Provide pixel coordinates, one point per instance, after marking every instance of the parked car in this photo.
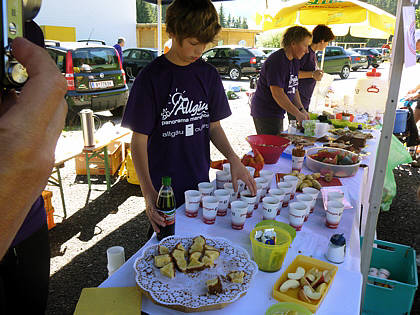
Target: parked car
(135, 59)
(268, 50)
(357, 60)
(336, 61)
(374, 56)
(385, 52)
(95, 77)
(235, 61)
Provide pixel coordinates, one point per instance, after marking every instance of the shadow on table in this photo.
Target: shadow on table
(89, 268)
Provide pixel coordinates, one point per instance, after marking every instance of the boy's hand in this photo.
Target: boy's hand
(239, 171)
(155, 218)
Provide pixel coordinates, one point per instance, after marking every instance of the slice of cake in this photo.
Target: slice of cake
(236, 276)
(209, 247)
(212, 254)
(207, 261)
(162, 260)
(179, 259)
(180, 247)
(168, 270)
(198, 244)
(214, 286)
(195, 256)
(163, 250)
(195, 265)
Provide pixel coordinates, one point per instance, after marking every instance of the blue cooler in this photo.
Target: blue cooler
(400, 124)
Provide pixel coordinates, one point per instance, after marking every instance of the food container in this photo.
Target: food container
(285, 226)
(270, 147)
(270, 257)
(284, 307)
(292, 294)
(337, 170)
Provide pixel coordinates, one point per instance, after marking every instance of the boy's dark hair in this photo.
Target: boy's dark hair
(192, 18)
(322, 32)
(295, 34)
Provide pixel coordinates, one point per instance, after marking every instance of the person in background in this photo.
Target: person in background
(119, 45)
(309, 72)
(416, 90)
(174, 110)
(277, 88)
(31, 123)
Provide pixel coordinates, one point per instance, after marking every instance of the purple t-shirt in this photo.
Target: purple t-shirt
(174, 106)
(277, 70)
(306, 86)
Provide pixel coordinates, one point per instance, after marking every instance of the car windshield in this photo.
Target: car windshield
(351, 52)
(374, 51)
(96, 59)
(257, 52)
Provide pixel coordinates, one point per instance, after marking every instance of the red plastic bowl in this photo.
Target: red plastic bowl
(270, 147)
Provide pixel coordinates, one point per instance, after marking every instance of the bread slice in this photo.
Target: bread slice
(198, 244)
(163, 250)
(162, 260)
(236, 276)
(168, 270)
(214, 286)
(179, 259)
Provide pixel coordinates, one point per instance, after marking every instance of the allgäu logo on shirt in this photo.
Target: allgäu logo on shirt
(293, 84)
(178, 103)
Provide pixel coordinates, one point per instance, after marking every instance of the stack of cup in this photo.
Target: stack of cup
(232, 192)
(287, 187)
(297, 213)
(267, 175)
(210, 205)
(307, 200)
(336, 195)
(206, 189)
(226, 168)
(192, 203)
(279, 194)
(264, 184)
(222, 178)
(270, 206)
(247, 197)
(334, 212)
(239, 211)
(314, 193)
(116, 258)
(223, 196)
(294, 181)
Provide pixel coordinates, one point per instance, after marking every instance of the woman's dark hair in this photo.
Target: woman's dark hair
(295, 34)
(322, 32)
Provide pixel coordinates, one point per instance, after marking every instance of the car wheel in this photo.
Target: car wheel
(355, 68)
(345, 72)
(375, 66)
(118, 112)
(235, 73)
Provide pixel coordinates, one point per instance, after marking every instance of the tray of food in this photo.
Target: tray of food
(194, 274)
(334, 161)
(306, 282)
(314, 180)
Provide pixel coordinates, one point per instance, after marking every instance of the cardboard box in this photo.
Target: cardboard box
(97, 164)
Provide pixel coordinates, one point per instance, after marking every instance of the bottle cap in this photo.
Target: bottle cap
(338, 240)
(166, 181)
(373, 73)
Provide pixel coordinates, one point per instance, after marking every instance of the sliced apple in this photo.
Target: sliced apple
(300, 272)
(321, 288)
(327, 276)
(318, 280)
(313, 295)
(302, 296)
(304, 281)
(289, 284)
(310, 277)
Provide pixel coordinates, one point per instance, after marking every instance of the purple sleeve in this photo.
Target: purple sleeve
(303, 61)
(140, 112)
(275, 75)
(218, 103)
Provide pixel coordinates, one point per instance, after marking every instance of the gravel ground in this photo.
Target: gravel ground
(101, 219)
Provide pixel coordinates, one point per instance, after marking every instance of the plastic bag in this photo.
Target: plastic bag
(398, 155)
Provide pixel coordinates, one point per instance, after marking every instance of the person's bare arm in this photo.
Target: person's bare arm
(283, 101)
(298, 103)
(237, 169)
(140, 160)
(30, 125)
(316, 75)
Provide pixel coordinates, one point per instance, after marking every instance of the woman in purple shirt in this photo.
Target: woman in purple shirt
(277, 88)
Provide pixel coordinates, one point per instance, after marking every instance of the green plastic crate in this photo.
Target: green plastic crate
(400, 260)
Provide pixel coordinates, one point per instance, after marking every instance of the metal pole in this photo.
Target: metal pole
(384, 144)
(159, 18)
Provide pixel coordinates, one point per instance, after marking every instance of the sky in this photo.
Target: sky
(244, 8)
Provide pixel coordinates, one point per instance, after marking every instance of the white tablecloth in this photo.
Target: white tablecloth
(345, 294)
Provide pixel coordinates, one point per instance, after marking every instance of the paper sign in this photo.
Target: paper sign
(409, 19)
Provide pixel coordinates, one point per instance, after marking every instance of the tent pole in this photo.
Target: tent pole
(159, 21)
(397, 62)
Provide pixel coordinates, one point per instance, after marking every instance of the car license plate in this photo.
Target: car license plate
(101, 84)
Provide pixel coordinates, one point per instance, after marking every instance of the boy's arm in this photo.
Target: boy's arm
(283, 101)
(237, 169)
(140, 160)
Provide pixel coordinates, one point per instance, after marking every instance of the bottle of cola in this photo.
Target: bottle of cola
(166, 207)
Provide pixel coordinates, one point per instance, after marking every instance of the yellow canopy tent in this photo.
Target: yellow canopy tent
(362, 19)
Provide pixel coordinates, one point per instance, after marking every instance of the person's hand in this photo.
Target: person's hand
(317, 74)
(413, 97)
(303, 115)
(239, 171)
(155, 218)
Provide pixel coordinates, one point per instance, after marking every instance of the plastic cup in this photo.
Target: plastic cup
(270, 206)
(294, 181)
(297, 213)
(206, 189)
(297, 163)
(264, 184)
(335, 195)
(232, 192)
(321, 129)
(241, 186)
(247, 197)
(223, 196)
(307, 200)
(192, 203)
(116, 258)
(314, 193)
(251, 170)
(334, 212)
(287, 187)
(210, 204)
(279, 194)
(258, 196)
(239, 211)
(222, 178)
(268, 175)
(226, 168)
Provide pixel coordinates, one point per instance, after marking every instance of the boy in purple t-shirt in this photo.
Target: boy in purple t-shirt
(277, 87)
(174, 110)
